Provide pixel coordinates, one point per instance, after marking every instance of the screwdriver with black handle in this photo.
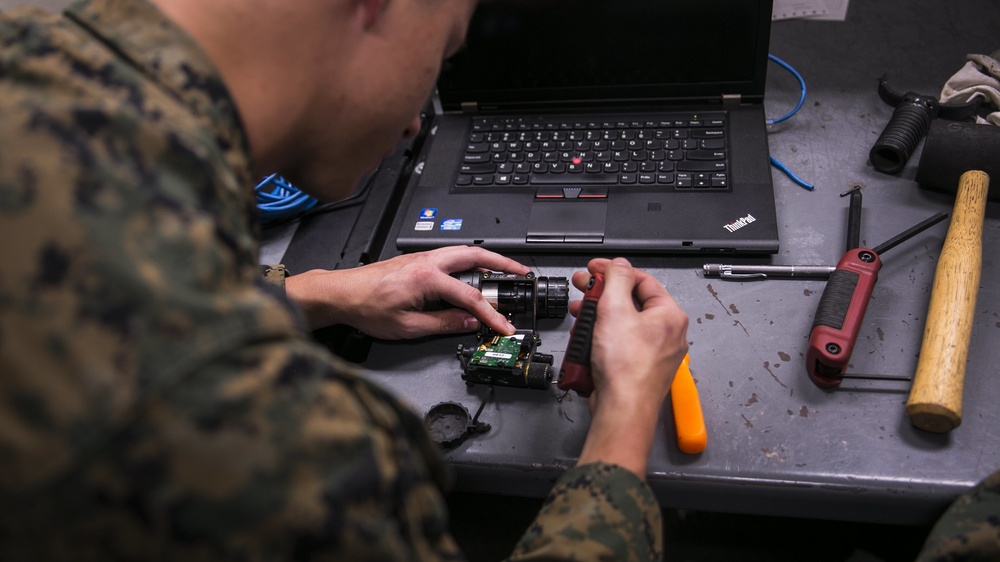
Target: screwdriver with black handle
(575, 371)
(575, 374)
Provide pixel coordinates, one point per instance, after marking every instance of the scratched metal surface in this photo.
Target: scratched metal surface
(777, 443)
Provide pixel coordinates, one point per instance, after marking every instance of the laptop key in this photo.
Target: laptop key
(705, 155)
(568, 179)
(708, 134)
(487, 168)
(476, 158)
(701, 166)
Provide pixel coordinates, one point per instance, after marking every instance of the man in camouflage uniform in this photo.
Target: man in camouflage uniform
(155, 400)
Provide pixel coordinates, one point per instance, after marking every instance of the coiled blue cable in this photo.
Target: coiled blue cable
(802, 98)
(802, 86)
(278, 200)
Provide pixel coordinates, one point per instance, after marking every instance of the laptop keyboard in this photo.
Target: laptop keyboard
(683, 151)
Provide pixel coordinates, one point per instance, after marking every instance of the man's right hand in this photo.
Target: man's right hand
(640, 338)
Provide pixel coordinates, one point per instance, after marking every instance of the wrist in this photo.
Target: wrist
(310, 292)
(621, 434)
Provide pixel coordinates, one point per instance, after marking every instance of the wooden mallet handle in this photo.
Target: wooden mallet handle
(935, 402)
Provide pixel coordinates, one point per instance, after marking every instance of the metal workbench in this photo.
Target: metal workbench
(778, 444)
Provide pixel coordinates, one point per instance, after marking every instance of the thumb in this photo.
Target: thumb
(619, 281)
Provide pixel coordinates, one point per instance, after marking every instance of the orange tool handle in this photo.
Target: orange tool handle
(688, 419)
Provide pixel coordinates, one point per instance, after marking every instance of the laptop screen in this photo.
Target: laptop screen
(526, 53)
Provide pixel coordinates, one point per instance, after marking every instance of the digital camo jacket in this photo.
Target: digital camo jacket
(155, 401)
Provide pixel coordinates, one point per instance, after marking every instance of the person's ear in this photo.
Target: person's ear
(370, 11)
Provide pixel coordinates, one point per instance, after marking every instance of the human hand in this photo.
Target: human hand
(387, 299)
(639, 340)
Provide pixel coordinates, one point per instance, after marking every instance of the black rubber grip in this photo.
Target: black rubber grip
(578, 350)
(906, 128)
(836, 299)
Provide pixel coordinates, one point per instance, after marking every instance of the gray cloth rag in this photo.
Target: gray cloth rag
(979, 78)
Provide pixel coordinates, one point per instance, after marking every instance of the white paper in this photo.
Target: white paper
(826, 10)
(836, 10)
(789, 9)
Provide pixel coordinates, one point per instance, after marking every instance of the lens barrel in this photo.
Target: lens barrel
(509, 293)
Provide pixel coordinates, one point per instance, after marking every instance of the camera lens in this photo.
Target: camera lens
(552, 297)
(509, 293)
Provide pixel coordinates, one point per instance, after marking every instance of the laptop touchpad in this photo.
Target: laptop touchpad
(567, 220)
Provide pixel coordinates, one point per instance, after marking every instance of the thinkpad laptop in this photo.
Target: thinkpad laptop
(631, 126)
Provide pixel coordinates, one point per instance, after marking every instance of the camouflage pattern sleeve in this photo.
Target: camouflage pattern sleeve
(274, 276)
(155, 401)
(595, 512)
(970, 528)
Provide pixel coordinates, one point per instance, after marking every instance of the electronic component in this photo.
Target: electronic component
(512, 360)
(506, 361)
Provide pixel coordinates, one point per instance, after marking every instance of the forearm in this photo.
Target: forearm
(621, 434)
(311, 291)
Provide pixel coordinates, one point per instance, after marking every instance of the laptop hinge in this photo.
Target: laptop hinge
(731, 100)
(470, 107)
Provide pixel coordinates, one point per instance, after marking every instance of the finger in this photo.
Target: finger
(598, 265)
(649, 293)
(459, 294)
(619, 281)
(463, 258)
(581, 279)
(451, 321)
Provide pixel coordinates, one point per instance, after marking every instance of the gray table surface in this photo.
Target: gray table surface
(778, 444)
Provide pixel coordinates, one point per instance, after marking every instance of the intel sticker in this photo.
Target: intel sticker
(451, 224)
(428, 213)
(424, 225)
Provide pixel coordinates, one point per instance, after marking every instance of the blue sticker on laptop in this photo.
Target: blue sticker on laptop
(451, 224)
(428, 213)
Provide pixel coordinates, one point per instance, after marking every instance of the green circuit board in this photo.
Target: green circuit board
(501, 351)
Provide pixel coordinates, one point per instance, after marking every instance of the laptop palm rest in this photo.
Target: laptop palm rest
(567, 220)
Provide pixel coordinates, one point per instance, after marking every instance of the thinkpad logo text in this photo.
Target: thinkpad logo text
(739, 223)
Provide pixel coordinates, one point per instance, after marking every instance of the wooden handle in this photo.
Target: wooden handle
(935, 402)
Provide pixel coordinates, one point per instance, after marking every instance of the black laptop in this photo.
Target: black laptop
(629, 126)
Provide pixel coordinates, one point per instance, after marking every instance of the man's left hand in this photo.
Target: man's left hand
(387, 299)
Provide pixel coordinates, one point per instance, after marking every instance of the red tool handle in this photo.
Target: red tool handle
(575, 371)
(839, 316)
